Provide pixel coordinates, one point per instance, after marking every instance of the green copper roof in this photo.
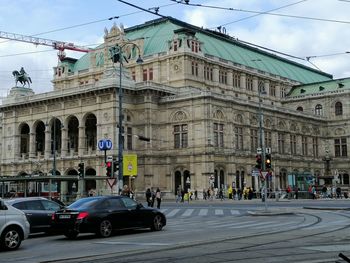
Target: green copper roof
(158, 33)
(320, 87)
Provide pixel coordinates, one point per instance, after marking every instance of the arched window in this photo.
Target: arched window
(338, 108)
(318, 110)
(300, 108)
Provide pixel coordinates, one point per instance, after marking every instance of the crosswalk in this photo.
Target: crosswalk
(203, 212)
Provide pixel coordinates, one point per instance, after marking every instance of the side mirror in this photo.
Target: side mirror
(139, 205)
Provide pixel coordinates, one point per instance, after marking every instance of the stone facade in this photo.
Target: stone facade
(201, 113)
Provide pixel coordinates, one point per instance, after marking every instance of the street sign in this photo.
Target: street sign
(258, 150)
(109, 158)
(129, 164)
(268, 150)
(104, 144)
(111, 182)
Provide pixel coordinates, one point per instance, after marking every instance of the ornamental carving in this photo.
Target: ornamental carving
(180, 116)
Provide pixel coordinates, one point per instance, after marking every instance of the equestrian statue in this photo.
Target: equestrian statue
(22, 77)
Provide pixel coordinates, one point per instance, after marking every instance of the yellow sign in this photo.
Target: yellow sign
(129, 164)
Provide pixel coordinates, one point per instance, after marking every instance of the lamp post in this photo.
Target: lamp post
(261, 144)
(116, 54)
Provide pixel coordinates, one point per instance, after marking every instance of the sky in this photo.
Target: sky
(315, 33)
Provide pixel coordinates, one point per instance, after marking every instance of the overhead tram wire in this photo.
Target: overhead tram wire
(94, 22)
(262, 13)
(265, 12)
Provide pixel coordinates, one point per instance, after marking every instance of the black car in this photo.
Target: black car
(103, 214)
(38, 210)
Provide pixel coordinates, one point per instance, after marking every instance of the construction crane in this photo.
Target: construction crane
(59, 45)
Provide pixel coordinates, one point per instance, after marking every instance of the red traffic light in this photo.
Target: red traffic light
(109, 169)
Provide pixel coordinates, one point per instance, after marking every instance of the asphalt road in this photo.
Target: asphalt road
(212, 231)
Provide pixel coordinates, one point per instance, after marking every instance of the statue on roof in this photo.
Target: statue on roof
(22, 77)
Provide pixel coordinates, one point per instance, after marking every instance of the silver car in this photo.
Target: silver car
(14, 227)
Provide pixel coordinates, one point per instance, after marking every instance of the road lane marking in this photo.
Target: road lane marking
(219, 212)
(188, 212)
(203, 212)
(173, 212)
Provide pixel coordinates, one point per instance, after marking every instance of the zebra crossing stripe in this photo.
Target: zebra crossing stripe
(173, 212)
(203, 212)
(219, 212)
(188, 212)
(235, 212)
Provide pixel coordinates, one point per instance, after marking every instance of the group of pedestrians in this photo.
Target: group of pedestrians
(152, 196)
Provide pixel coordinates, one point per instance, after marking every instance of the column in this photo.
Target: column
(47, 142)
(64, 146)
(31, 145)
(81, 136)
(243, 81)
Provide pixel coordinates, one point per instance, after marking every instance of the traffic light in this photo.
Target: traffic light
(81, 170)
(258, 161)
(268, 161)
(115, 166)
(109, 169)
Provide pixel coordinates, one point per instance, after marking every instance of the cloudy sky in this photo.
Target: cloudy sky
(314, 29)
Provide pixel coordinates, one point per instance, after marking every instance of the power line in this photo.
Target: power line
(263, 13)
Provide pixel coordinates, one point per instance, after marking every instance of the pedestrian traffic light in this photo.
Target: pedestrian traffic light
(81, 170)
(258, 161)
(109, 169)
(268, 161)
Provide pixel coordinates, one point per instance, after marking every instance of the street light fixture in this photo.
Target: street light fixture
(117, 56)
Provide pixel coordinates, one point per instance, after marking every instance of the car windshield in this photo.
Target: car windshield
(83, 203)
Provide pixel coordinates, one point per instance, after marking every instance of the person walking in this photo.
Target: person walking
(158, 197)
(148, 197)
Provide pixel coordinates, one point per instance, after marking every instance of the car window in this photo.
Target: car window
(20, 205)
(129, 203)
(34, 205)
(84, 203)
(51, 206)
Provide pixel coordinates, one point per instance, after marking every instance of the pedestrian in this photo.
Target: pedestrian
(178, 195)
(296, 192)
(148, 197)
(158, 197)
(153, 197)
(338, 191)
(195, 194)
(221, 194)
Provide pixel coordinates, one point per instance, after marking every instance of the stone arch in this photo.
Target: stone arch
(72, 124)
(90, 122)
(24, 137)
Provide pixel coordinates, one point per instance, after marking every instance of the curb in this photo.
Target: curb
(326, 208)
(269, 213)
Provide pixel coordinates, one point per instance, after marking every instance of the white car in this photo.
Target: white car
(14, 227)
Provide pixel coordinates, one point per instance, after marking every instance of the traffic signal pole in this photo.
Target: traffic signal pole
(262, 146)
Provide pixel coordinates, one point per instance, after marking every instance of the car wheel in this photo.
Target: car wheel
(105, 228)
(157, 223)
(71, 234)
(11, 239)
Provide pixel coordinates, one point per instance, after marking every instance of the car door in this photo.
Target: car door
(49, 208)
(35, 213)
(133, 212)
(114, 210)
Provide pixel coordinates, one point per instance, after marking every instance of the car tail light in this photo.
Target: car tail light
(82, 215)
(53, 216)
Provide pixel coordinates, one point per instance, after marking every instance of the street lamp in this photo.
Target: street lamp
(116, 54)
(261, 91)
